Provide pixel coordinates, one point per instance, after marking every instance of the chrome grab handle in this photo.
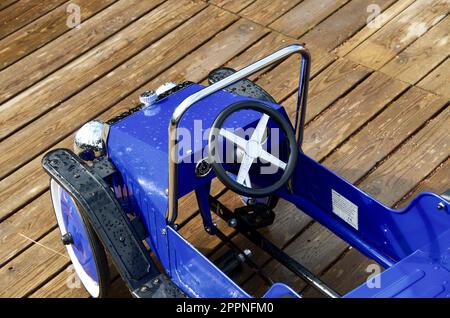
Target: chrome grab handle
(222, 84)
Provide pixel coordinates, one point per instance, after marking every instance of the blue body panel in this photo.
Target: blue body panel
(196, 275)
(398, 239)
(383, 234)
(425, 273)
(137, 145)
(279, 290)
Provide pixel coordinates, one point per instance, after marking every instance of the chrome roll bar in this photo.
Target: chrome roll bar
(222, 84)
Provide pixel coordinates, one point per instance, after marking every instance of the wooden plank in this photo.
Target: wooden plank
(422, 56)
(6, 3)
(186, 62)
(25, 184)
(382, 135)
(316, 249)
(37, 218)
(351, 270)
(266, 11)
(275, 233)
(30, 180)
(396, 177)
(33, 267)
(65, 48)
(258, 256)
(75, 76)
(284, 228)
(385, 16)
(199, 69)
(215, 53)
(342, 24)
(282, 81)
(62, 285)
(292, 222)
(437, 182)
(195, 233)
(43, 30)
(58, 287)
(288, 223)
(306, 15)
(346, 274)
(301, 249)
(437, 81)
(24, 12)
(284, 77)
(399, 33)
(360, 105)
(232, 5)
(68, 46)
(111, 88)
(434, 134)
(260, 49)
(328, 86)
(33, 221)
(65, 285)
(292, 234)
(311, 233)
(213, 56)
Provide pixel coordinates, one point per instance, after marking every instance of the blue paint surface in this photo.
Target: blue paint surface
(410, 242)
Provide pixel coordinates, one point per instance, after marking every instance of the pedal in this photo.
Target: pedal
(256, 215)
(244, 87)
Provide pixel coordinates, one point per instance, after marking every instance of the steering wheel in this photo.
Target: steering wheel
(252, 149)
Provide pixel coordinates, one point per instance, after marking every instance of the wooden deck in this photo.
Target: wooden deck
(378, 110)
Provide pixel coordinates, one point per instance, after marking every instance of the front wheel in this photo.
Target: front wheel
(83, 246)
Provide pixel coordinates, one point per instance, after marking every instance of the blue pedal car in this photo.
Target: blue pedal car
(117, 194)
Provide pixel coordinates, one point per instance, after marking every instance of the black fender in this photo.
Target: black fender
(87, 185)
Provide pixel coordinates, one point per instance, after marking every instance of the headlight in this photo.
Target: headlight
(90, 140)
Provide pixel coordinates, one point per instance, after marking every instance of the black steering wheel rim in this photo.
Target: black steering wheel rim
(218, 167)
